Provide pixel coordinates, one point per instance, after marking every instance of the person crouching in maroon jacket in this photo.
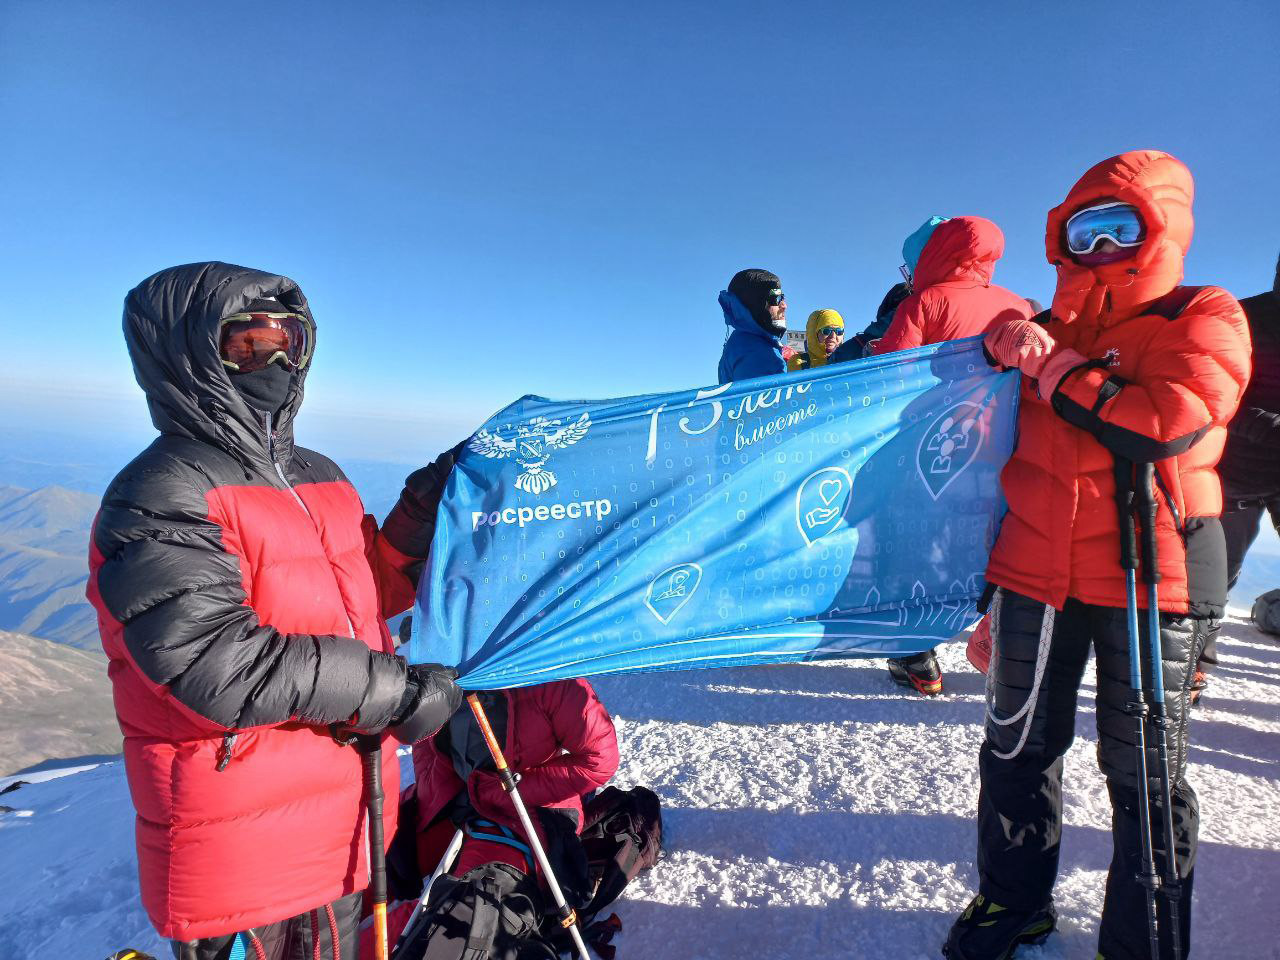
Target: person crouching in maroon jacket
(241, 592)
(556, 736)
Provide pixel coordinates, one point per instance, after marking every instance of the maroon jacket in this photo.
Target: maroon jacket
(561, 742)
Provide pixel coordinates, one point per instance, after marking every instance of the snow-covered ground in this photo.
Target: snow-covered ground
(810, 811)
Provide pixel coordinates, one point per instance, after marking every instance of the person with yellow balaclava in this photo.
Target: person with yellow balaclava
(823, 333)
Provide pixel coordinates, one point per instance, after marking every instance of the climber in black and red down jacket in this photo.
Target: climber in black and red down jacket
(241, 591)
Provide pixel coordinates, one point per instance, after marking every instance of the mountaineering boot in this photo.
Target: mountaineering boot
(988, 931)
(920, 671)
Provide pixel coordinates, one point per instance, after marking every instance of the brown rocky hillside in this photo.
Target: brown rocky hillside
(55, 701)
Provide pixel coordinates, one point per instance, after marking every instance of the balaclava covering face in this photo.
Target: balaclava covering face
(751, 287)
(264, 390)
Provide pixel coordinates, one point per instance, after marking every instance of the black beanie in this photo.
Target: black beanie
(266, 306)
(752, 287)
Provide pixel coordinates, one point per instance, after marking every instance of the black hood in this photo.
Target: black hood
(171, 328)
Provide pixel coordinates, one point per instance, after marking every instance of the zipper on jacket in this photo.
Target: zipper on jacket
(225, 751)
(271, 450)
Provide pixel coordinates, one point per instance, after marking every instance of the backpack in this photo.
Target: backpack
(622, 837)
(1266, 612)
(493, 912)
(496, 912)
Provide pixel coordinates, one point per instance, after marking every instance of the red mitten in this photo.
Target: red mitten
(1019, 343)
(1029, 347)
(1062, 362)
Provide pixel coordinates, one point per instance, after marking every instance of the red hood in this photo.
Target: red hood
(1160, 186)
(963, 248)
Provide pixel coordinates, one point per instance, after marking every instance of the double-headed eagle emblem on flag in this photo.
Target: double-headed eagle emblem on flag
(532, 446)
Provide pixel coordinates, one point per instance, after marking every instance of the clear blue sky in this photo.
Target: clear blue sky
(488, 199)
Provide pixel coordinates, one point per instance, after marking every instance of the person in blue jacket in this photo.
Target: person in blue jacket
(755, 310)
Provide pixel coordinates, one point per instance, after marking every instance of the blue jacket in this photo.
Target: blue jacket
(750, 351)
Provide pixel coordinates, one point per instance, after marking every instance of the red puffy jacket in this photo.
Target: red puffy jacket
(952, 293)
(240, 592)
(1179, 361)
(559, 739)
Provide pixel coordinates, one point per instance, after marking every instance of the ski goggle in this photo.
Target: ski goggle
(1118, 222)
(830, 331)
(253, 341)
(774, 298)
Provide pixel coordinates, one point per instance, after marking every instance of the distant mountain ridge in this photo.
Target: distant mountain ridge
(44, 551)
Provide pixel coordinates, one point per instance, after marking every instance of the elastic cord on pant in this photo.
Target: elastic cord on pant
(1042, 660)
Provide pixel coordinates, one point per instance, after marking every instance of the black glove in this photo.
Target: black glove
(411, 523)
(430, 699)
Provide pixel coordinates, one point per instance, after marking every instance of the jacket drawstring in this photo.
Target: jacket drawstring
(333, 928)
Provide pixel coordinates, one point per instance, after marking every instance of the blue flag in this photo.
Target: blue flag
(843, 511)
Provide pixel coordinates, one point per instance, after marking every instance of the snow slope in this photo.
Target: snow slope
(811, 811)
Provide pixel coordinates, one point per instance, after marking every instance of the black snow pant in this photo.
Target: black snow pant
(1241, 521)
(1037, 662)
(308, 935)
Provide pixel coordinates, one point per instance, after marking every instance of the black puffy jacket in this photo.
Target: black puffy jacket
(1250, 463)
(241, 592)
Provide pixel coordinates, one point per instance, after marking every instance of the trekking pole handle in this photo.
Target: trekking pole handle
(491, 741)
(370, 748)
(1145, 500)
(1124, 512)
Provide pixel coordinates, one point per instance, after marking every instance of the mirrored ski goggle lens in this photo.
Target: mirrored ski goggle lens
(252, 341)
(831, 331)
(1117, 222)
(774, 298)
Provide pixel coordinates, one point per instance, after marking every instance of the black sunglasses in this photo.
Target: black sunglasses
(774, 298)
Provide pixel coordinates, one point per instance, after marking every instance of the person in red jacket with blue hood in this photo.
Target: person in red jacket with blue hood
(755, 311)
(1129, 366)
(951, 261)
(241, 593)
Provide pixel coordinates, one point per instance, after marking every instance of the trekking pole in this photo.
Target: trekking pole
(420, 911)
(370, 748)
(568, 916)
(1137, 706)
(1172, 885)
